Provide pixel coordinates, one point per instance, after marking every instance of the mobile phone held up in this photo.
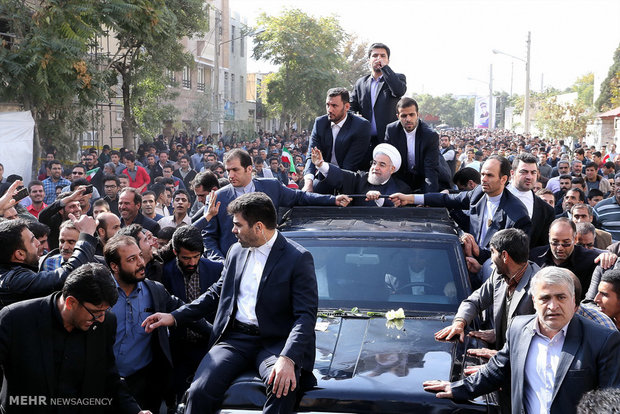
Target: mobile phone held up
(20, 195)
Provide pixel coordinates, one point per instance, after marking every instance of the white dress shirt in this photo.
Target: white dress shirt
(541, 365)
(335, 131)
(491, 206)
(250, 281)
(250, 188)
(526, 197)
(411, 148)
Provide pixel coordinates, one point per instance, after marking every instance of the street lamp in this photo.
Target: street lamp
(527, 79)
(491, 106)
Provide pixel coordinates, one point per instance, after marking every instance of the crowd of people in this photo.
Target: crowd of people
(155, 272)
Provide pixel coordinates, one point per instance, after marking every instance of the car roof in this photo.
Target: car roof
(354, 220)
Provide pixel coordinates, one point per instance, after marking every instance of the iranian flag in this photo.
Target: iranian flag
(91, 173)
(287, 157)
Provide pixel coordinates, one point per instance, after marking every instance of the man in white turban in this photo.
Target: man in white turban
(368, 188)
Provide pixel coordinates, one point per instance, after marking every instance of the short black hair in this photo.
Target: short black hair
(129, 157)
(157, 189)
(111, 178)
(513, 241)
(465, 174)
(92, 283)
(339, 91)
(11, 238)
(110, 251)
(133, 230)
(526, 158)
(206, 179)
(189, 238)
(166, 233)
(101, 202)
(612, 277)
(591, 165)
(255, 207)
(504, 164)
(80, 181)
(181, 191)
(565, 177)
(406, 102)
(379, 46)
(35, 182)
(595, 192)
(38, 229)
(582, 195)
(242, 155)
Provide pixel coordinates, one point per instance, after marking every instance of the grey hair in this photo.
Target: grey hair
(553, 276)
(585, 228)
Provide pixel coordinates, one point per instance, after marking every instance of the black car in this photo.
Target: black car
(370, 261)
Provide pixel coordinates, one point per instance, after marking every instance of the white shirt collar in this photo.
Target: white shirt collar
(265, 249)
(539, 332)
(412, 133)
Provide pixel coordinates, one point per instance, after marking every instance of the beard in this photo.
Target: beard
(130, 278)
(376, 179)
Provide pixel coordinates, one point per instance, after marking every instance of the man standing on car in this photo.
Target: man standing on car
(266, 301)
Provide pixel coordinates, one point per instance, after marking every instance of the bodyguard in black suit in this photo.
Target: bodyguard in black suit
(266, 302)
(388, 87)
(60, 346)
(348, 148)
(419, 150)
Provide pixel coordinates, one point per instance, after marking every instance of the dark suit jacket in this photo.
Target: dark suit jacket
(589, 360)
(286, 303)
(542, 217)
(510, 213)
(391, 89)
(492, 295)
(425, 174)
(187, 181)
(145, 222)
(349, 182)
(217, 234)
(351, 143)
(208, 272)
(28, 360)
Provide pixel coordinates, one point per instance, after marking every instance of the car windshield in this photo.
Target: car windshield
(417, 276)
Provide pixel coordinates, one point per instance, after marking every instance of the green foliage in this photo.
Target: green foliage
(609, 97)
(308, 52)
(560, 121)
(202, 110)
(356, 63)
(148, 107)
(584, 86)
(457, 113)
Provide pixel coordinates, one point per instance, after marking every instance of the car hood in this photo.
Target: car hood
(364, 365)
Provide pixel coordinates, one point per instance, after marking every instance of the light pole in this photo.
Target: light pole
(526, 108)
(216, 61)
(490, 84)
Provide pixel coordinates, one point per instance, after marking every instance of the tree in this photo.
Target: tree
(584, 86)
(149, 108)
(609, 97)
(307, 49)
(149, 34)
(356, 63)
(457, 113)
(562, 120)
(45, 66)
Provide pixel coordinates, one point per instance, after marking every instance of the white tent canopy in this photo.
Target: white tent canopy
(16, 136)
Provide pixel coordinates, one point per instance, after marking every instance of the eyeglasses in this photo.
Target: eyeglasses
(96, 315)
(563, 244)
(77, 173)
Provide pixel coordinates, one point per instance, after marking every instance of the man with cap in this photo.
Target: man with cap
(378, 181)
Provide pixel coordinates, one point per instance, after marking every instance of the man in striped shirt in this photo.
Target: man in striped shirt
(607, 212)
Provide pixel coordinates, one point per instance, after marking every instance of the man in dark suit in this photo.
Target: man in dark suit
(491, 206)
(71, 355)
(342, 137)
(552, 358)
(217, 232)
(374, 183)
(266, 301)
(523, 178)
(375, 95)
(418, 145)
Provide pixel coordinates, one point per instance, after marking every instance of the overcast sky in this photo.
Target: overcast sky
(439, 44)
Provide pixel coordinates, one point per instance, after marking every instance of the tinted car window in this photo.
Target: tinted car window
(387, 275)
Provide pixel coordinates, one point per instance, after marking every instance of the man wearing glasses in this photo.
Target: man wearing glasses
(70, 357)
(143, 361)
(563, 252)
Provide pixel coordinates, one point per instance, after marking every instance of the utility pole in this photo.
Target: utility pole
(491, 106)
(527, 84)
(216, 73)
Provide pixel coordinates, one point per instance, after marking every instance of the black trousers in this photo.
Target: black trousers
(235, 353)
(146, 388)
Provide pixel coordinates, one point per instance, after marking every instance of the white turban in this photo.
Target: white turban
(391, 152)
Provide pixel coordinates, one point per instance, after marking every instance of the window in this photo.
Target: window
(242, 46)
(226, 85)
(201, 79)
(232, 40)
(232, 87)
(241, 90)
(187, 80)
(170, 76)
